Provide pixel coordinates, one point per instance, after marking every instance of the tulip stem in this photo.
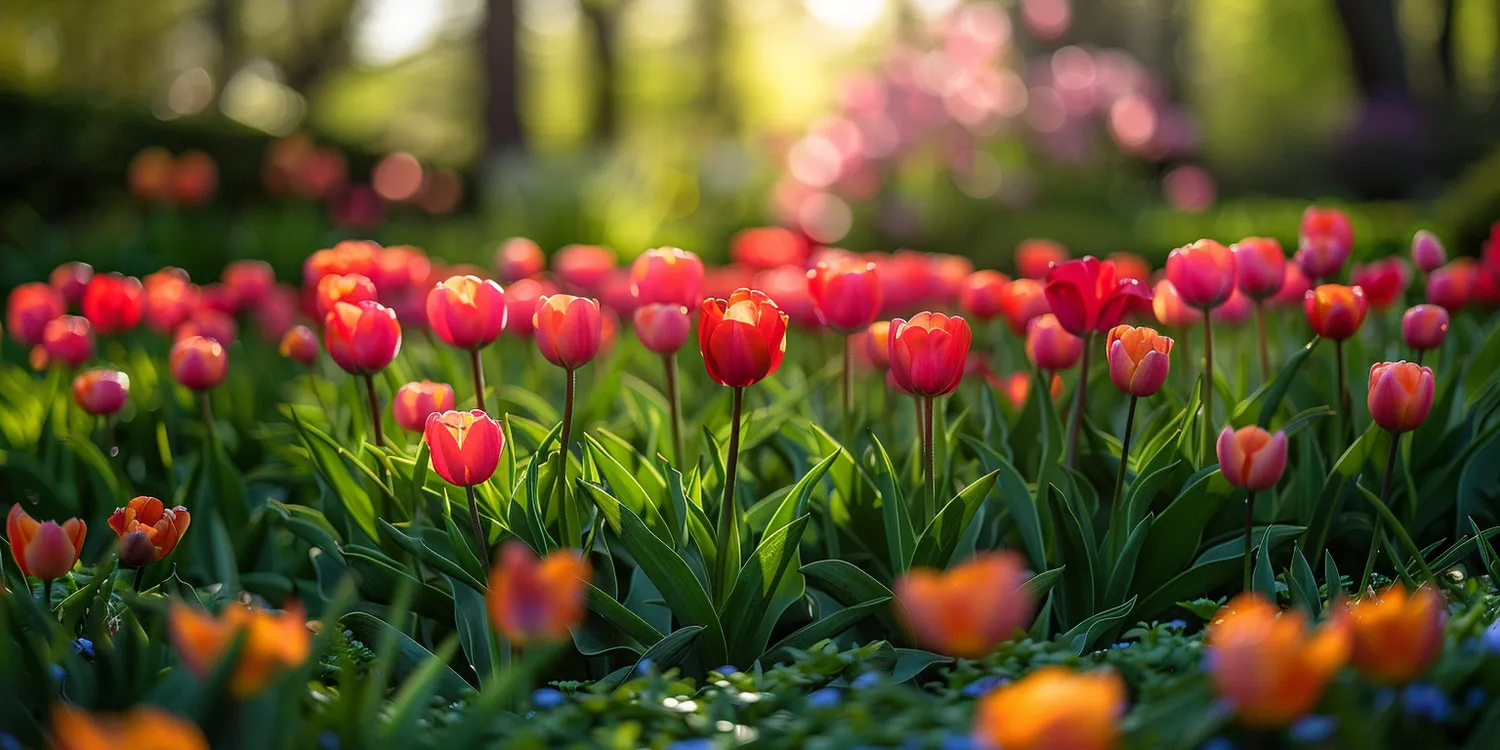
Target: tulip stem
(1420, 352)
(930, 512)
(1260, 334)
(312, 385)
(1344, 406)
(674, 406)
(1076, 418)
(1249, 524)
(572, 536)
(47, 594)
(479, 539)
(478, 379)
(1124, 453)
(1385, 493)
(728, 511)
(1208, 387)
(374, 411)
(208, 415)
(848, 388)
(140, 577)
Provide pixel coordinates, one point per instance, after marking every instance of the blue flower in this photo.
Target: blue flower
(644, 666)
(957, 741)
(727, 669)
(983, 685)
(1475, 697)
(1177, 624)
(327, 740)
(1490, 641)
(84, 646)
(8, 741)
(1313, 728)
(58, 673)
(1427, 701)
(545, 698)
(824, 698)
(1122, 644)
(867, 680)
(697, 743)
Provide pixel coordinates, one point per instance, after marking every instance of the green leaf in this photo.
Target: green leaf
(1315, 540)
(936, 545)
(1263, 578)
(463, 548)
(1175, 534)
(911, 662)
(309, 525)
(1077, 595)
(749, 602)
(900, 537)
(794, 505)
(1017, 499)
(1393, 525)
(1304, 585)
(1283, 382)
(628, 623)
(624, 487)
(1041, 583)
(409, 655)
(1124, 570)
(471, 616)
(821, 630)
(668, 653)
(402, 724)
(416, 546)
(1332, 579)
(1082, 636)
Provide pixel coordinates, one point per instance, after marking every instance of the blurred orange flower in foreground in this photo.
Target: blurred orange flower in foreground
(537, 599)
(144, 728)
(968, 609)
(1267, 664)
(272, 642)
(1053, 708)
(1397, 636)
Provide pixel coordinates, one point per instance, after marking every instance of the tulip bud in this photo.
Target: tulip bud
(170, 297)
(1034, 258)
(300, 345)
(742, 339)
(68, 339)
(878, 344)
(1400, 395)
(1203, 273)
(70, 279)
(533, 600)
(1396, 637)
(1384, 281)
(466, 312)
(845, 294)
(1138, 361)
(1053, 708)
(1252, 458)
(568, 330)
(520, 305)
(113, 303)
(1087, 296)
(1267, 665)
(199, 363)
(465, 446)
(1050, 347)
(1324, 242)
(1169, 309)
(1260, 266)
(928, 353)
(983, 294)
(944, 614)
(216, 297)
(148, 530)
(101, 391)
(1427, 252)
(787, 287)
(248, 282)
(1130, 266)
(415, 402)
(668, 276)
(45, 549)
(519, 258)
(663, 328)
(362, 338)
(29, 308)
(351, 288)
(1424, 327)
(583, 267)
(1452, 286)
(136, 550)
(1335, 311)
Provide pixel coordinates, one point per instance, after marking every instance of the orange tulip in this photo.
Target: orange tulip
(465, 446)
(68, 339)
(1335, 311)
(148, 530)
(845, 294)
(663, 328)
(466, 311)
(29, 308)
(44, 549)
(1397, 637)
(947, 614)
(1267, 665)
(743, 338)
(300, 345)
(1138, 359)
(199, 363)
(352, 288)
(983, 294)
(142, 728)
(195, 177)
(1022, 301)
(1017, 387)
(1131, 266)
(1400, 395)
(271, 642)
(1170, 309)
(519, 258)
(1053, 708)
(210, 324)
(113, 303)
(362, 338)
(568, 329)
(1252, 458)
(149, 175)
(414, 402)
(537, 600)
(101, 391)
(878, 343)
(1050, 347)
(667, 276)
(928, 352)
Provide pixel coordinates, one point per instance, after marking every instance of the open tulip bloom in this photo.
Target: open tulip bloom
(1400, 398)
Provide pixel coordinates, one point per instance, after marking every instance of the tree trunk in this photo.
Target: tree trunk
(502, 111)
(601, 18)
(1375, 46)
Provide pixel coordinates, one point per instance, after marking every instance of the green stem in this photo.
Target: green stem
(848, 389)
(140, 577)
(674, 407)
(374, 411)
(1076, 417)
(930, 511)
(1249, 523)
(480, 542)
(728, 510)
(1260, 334)
(572, 536)
(478, 379)
(47, 595)
(1124, 454)
(1208, 387)
(312, 385)
(1344, 405)
(1385, 493)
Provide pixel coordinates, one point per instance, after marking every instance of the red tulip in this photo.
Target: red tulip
(1169, 308)
(1235, 310)
(362, 338)
(1400, 395)
(1035, 258)
(928, 353)
(1427, 251)
(1324, 242)
(1424, 327)
(1335, 311)
(743, 338)
(414, 402)
(520, 305)
(1252, 458)
(198, 363)
(101, 391)
(170, 299)
(901, 284)
(466, 312)
(1384, 281)
(668, 276)
(465, 446)
(983, 294)
(1452, 286)
(845, 295)
(149, 175)
(1138, 359)
(617, 294)
(348, 256)
(768, 247)
(1203, 273)
(945, 276)
(210, 324)
(519, 258)
(1294, 286)
(68, 339)
(662, 328)
(787, 286)
(568, 329)
(1260, 266)
(1049, 346)
(352, 288)
(113, 303)
(70, 279)
(1021, 301)
(1087, 297)
(1131, 266)
(878, 343)
(300, 345)
(583, 266)
(29, 308)
(44, 550)
(248, 282)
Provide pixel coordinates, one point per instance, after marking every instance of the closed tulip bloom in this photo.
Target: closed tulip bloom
(667, 276)
(148, 530)
(568, 329)
(140, 728)
(1294, 286)
(1396, 637)
(928, 353)
(68, 339)
(170, 299)
(1267, 665)
(1427, 252)
(70, 279)
(1203, 273)
(1169, 309)
(1087, 296)
(1053, 708)
(1400, 395)
(362, 338)
(1324, 241)
(1335, 311)
(210, 324)
(583, 266)
(663, 328)
(742, 339)
(1384, 281)
(416, 401)
(1260, 266)
(101, 391)
(1131, 266)
(352, 288)
(465, 446)
(270, 642)
(983, 294)
(878, 343)
(1235, 310)
(536, 600)
(1424, 327)
(519, 258)
(215, 296)
(1022, 301)
(29, 308)
(466, 311)
(1452, 286)
(768, 247)
(45, 549)
(521, 299)
(113, 303)
(1138, 359)
(945, 614)
(1252, 458)
(248, 282)
(1034, 258)
(1050, 347)
(300, 345)
(845, 294)
(198, 363)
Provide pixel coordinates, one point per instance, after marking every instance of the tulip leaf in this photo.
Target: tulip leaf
(642, 634)
(402, 718)
(749, 602)
(1283, 382)
(794, 505)
(1304, 585)
(939, 540)
(850, 585)
(1263, 577)
(1124, 566)
(417, 547)
(1191, 583)
(1041, 583)
(463, 548)
(624, 487)
(1017, 499)
(911, 662)
(1332, 580)
(1075, 542)
(409, 655)
(1082, 636)
(1349, 465)
(668, 653)
(475, 633)
(1393, 525)
(309, 525)
(822, 629)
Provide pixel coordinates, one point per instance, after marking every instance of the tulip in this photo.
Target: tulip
(465, 447)
(300, 345)
(1336, 312)
(942, 611)
(568, 329)
(362, 339)
(1266, 665)
(1424, 327)
(348, 256)
(1396, 637)
(70, 279)
(68, 339)
(44, 549)
(149, 175)
(1324, 242)
(983, 294)
(1294, 286)
(1017, 387)
(927, 356)
(29, 308)
(1260, 266)
(198, 363)
(845, 295)
(170, 298)
(1203, 273)
(1022, 301)
(1254, 459)
(878, 344)
(113, 303)
(664, 328)
(668, 276)
(1053, 708)
(1169, 309)
(468, 312)
(521, 299)
(537, 600)
(137, 729)
(148, 532)
(399, 268)
(1234, 311)
(1383, 281)
(269, 642)
(248, 282)
(519, 258)
(1049, 347)
(1138, 365)
(352, 288)
(277, 313)
(1452, 286)
(1400, 395)
(1427, 252)
(414, 402)
(945, 277)
(583, 266)
(1130, 266)
(194, 178)
(101, 392)
(1035, 258)
(210, 324)
(768, 247)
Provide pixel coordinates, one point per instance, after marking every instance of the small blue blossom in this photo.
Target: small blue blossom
(545, 698)
(1177, 624)
(727, 669)
(644, 666)
(957, 741)
(697, 743)
(823, 698)
(84, 646)
(58, 673)
(1427, 701)
(1475, 698)
(1490, 641)
(867, 680)
(8, 741)
(1313, 728)
(1122, 644)
(983, 685)
(327, 740)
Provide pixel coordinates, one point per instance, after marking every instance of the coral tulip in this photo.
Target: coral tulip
(414, 402)
(521, 300)
(269, 642)
(1452, 286)
(1252, 458)
(668, 276)
(743, 338)
(845, 294)
(1087, 296)
(1022, 301)
(983, 294)
(170, 299)
(466, 312)
(465, 446)
(68, 339)
(300, 345)
(1130, 266)
(519, 258)
(1424, 327)
(1035, 258)
(944, 614)
(1017, 388)
(1053, 708)
(1427, 252)
(362, 338)
(768, 247)
(1203, 273)
(663, 328)
(198, 363)
(195, 177)
(1138, 359)
(248, 282)
(583, 266)
(877, 344)
(148, 530)
(113, 303)
(568, 329)
(533, 600)
(137, 729)
(101, 391)
(1324, 242)
(1266, 664)
(149, 175)
(352, 288)
(1050, 347)
(1396, 637)
(29, 308)
(70, 279)
(928, 352)
(1384, 281)
(1260, 266)
(1169, 309)
(44, 549)
(1400, 395)
(1335, 311)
